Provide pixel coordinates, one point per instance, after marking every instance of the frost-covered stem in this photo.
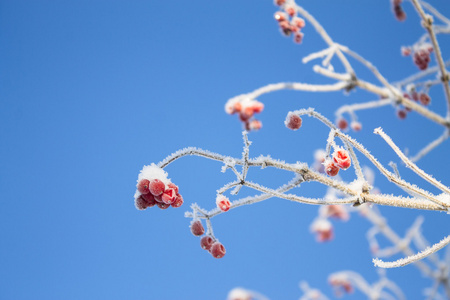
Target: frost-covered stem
(361, 106)
(387, 231)
(228, 186)
(427, 22)
(431, 146)
(413, 166)
(325, 72)
(325, 37)
(419, 75)
(413, 258)
(245, 154)
(435, 12)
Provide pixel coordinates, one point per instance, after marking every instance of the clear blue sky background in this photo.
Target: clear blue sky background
(90, 91)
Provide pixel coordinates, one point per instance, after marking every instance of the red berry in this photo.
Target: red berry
(399, 13)
(142, 186)
(293, 121)
(298, 38)
(342, 124)
(162, 205)
(258, 107)
(237, 107)
(217, 250)
(150, 199)
(178, 201)
(279, 2)
(169, 196)
(156, 187)
(173, 186)
(401, 114)
(298, 22)
(255, 125)
(424, 99)
(331, 168)
(280, 16)
(206, 242)
(342, 159)
(223, 203)
(406, 51)
(197, 228)
(290, 11)
(140, 203)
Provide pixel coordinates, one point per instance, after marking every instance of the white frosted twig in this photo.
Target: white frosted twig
(318, 54)
(435, 12)
(430, 146)
(414, 258)
(414, 167)
(325, 72)
(361, 106)
(419, 75)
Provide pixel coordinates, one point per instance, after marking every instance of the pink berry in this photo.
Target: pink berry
(356, 126)
(142, 186)
(399, 13)
(173, 186)
(424, 99)
(401, 114)
(140, 203)
(406, 51)
(162, 205)
(279, 2)
(255, 125)
(169, 196)
(217, 250)
(178, 201)
(197, 228)
(293, 121)
(298, 22)
(290, 11)
(150, 199)
(206, 242)
(237, 107)
(331, 168)
(258, 107)
(223, 203)
(342, 159)
(280, 16)
(298, 38)
(156, 187)
(342, 124)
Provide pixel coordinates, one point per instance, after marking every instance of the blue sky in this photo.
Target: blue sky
(90, 91)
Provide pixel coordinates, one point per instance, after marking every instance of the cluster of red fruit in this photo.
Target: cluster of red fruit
(341, 284)
(207, 242)
(340, 160)
(288, 27)
(398, 10)
(155, 192)
(421, 55)
(246, 109)
(422, 98)
(342, 124)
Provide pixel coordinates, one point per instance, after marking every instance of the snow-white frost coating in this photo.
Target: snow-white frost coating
(152, 172)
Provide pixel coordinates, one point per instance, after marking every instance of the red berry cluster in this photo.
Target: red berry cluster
(246, 109)
(398, 10)
(422, 98)
(341, 284)
(420, 54)
(342, 124)
(207, 242)
(340, 160)
(289, 22)
(153, 188)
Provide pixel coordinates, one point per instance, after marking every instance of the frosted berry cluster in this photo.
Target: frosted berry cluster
(420, 97)
(342, 124)
(420, 54)
(154, 188)
(399, 13)
(340, 160)
(340, 284)
(289, 21)
(207, 242)
(246, 109)
(323, 229)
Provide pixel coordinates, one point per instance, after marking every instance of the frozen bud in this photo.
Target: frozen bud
(156, 187)
(298, 22)
(331, 168)
(293, 121)
(356, 126)
(150, 199)
(197, 228)
(401, 114)
(162, 205)
(341, 158)
(298, 37)
(206, 242)
(169, 196)
(142, 186)
(290, 11)
(223, 203)
(280, 16)
(424, 99)
(406, 51)
(173, 186)
(217, 250)
(255, 125)
(323, 229)
(178, 201)
(342, 124)
(140, 203)
(279, 2)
